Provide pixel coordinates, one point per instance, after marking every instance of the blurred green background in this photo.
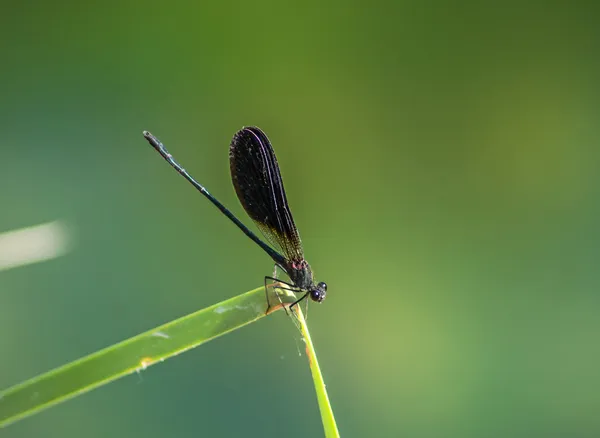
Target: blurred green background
(440, 161)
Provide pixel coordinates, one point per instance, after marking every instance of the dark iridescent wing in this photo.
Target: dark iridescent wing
(257, 181)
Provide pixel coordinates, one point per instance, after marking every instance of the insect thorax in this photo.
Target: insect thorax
(300, 273)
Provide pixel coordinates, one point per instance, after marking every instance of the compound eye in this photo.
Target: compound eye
(322, 285)
(315, 295)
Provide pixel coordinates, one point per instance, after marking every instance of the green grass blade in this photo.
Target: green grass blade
(139, 352)
(329, 424)
(129, 356)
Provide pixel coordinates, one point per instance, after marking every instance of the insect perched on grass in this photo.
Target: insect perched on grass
(259, 187)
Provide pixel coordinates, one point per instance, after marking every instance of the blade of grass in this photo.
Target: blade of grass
(139, 352)
(329, 424)
(132, 355)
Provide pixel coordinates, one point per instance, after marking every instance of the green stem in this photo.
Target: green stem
(329, 424)
(139, 352)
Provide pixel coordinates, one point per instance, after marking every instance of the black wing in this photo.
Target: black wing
(257, 181)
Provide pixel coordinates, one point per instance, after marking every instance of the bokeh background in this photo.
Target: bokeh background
(441, 161)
